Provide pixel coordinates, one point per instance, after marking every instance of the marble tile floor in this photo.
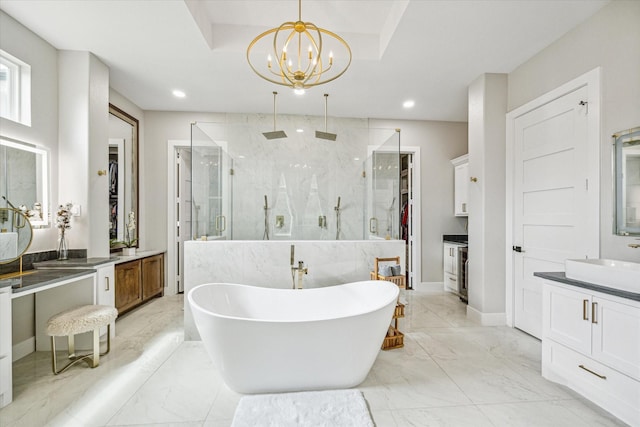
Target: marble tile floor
(451, 372)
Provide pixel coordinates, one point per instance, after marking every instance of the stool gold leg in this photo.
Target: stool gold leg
(108, 340)
(53, 355)
(96, 348)
(72, 346)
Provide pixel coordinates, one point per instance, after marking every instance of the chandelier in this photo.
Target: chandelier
(297, 57)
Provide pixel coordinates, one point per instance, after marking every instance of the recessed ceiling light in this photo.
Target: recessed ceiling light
(179, 94)
(299, 130)
(408, 103)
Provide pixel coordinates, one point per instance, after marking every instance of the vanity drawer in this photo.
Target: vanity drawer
(612, 390)
(451, 282)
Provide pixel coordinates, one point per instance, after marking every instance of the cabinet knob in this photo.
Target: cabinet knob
(473, 179)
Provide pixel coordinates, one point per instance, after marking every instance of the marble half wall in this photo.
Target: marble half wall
(267, 264)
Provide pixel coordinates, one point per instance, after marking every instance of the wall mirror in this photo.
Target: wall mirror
(15, 234)
(123, 178)
(626, 148)
(24, 180)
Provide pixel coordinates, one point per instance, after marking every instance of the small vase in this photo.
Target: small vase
(128, 251)
(63, 249)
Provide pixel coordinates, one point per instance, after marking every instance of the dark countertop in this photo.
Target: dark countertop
(73, 263)
(39, 278)
(456, 238)
(562, 278)
(90, 263)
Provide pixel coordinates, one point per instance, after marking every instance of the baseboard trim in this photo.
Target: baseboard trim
(23, 348)
(486, 319)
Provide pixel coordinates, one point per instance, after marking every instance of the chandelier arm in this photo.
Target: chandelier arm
(311, 67)
(281, 59)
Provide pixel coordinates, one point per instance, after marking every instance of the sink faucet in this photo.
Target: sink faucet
(302, 270)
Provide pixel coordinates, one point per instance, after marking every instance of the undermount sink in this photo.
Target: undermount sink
(622, 275)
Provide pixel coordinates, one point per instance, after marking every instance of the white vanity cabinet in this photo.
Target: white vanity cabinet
(6, 382)
(106, 290)
(591, 343)
(461, 185)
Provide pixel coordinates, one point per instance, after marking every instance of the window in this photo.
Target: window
(15, 89)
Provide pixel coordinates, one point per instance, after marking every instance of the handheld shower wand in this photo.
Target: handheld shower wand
(265, 236)
(390, 217)
(337, 209)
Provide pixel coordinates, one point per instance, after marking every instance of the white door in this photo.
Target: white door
(551, 200)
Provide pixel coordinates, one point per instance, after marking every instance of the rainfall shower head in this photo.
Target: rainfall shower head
(275, 134)
(325, 134)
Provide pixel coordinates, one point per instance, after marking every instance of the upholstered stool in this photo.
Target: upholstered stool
(76, 321)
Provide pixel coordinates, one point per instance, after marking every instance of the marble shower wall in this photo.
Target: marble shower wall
(301, 175)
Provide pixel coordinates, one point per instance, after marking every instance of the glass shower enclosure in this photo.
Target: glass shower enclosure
(211, 183)
(299, 188)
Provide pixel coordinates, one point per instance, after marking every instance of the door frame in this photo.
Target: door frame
(591, 80)
(416, 207)
(172, 146)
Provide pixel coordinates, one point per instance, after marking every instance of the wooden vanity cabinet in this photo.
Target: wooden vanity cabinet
(128, 285)
(138, 281)
(152, 276)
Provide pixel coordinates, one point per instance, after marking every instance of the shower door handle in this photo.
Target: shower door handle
(221, 219)
(373, 225)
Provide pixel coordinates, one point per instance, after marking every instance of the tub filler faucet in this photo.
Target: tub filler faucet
(302, 270)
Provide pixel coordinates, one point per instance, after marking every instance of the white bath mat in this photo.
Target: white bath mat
(331, 408)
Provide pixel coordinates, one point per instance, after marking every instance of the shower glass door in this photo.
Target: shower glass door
(211, 186)
(383, 187)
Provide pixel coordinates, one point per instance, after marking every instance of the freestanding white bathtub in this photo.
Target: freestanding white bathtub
(275, 340)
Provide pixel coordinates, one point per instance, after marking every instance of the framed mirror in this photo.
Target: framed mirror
(626, 154)
(123, 179)
(24, 180)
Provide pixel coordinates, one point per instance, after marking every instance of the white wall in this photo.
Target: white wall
(611, 40)
(84, 146)
(487, 109)
(439, 142)
(20, 42)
